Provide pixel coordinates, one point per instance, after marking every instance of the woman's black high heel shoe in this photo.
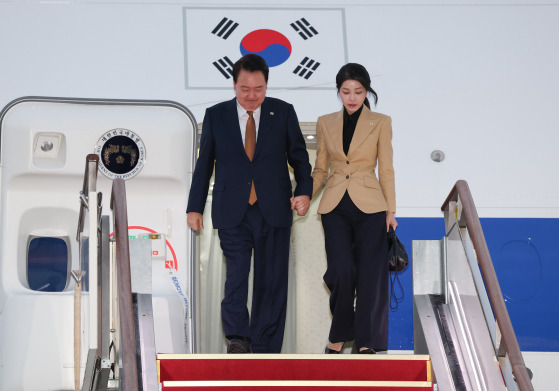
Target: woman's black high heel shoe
(327, 350)
(367, 351)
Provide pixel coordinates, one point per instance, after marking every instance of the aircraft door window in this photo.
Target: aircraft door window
(47, 264)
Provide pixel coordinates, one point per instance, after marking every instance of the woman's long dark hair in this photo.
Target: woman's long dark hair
(357, 72)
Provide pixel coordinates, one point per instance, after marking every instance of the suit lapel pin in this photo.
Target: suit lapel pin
(271, 113)
(371, 123)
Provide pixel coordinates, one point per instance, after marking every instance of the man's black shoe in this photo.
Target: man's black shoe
(238, 346)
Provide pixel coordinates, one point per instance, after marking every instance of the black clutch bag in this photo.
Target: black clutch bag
(397, 255)
(397, 261)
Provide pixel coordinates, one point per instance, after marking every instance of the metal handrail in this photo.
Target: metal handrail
(460, 193)
(124, 281)
(89, 183)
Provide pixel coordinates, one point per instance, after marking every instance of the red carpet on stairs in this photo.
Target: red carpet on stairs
(280, 372)
(313, 386)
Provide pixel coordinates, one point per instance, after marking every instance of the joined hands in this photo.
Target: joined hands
(301, 204)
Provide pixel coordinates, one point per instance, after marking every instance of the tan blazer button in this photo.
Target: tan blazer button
(347, 177)
(347, 161)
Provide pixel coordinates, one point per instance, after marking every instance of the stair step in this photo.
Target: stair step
(295, 367)
(294, 385)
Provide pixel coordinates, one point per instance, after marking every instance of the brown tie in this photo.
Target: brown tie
(250, 146)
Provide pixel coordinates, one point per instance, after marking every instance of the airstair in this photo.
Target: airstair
(462, 333)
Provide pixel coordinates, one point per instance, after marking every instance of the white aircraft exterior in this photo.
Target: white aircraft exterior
(472, 90)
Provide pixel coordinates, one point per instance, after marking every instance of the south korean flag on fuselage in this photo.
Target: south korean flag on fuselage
(302, 47)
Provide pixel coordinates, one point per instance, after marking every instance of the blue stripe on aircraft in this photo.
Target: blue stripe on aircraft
(525, 256)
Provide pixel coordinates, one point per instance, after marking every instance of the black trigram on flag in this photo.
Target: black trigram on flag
(304, 28)
(306, 68)
(225, 66)
(225, 28)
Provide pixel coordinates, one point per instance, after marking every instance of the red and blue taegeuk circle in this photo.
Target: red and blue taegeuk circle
(272, 46)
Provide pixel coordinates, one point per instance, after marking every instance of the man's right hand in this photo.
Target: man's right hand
(195, 220)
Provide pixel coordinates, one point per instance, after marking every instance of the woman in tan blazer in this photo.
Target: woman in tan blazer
(356, 210)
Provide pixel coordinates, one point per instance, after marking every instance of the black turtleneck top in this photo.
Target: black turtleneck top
(350, 121)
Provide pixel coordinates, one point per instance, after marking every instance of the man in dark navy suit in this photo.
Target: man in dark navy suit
(250, 140)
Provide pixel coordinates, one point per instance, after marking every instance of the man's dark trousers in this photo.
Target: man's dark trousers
(266, 325)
